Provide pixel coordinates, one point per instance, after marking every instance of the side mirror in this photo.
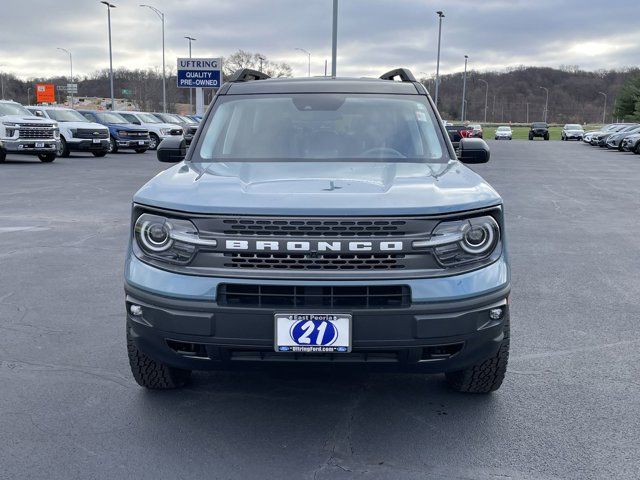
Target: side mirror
(474, 150)
(172, 150)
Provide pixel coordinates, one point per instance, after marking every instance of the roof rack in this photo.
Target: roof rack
(247, 75)
(404, 74)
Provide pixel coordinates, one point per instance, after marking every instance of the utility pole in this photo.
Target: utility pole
(164, 78)
(262, 59)
(464, 84)
(325, 67)
(527, 104)
(604, 109)
(440, 17)
(190, 39)
(486, 98)
(334, 39)
(109, 7)
(71, 77)
(546, 104)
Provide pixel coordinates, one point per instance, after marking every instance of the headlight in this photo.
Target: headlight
(56, 133)
(168, 239)
(10, 124)
(73, 131)
(165, 131)
(462, 241)
(122, 132)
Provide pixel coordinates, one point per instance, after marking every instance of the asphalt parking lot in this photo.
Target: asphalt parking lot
(568, 408)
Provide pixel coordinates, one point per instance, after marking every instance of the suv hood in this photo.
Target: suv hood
(129, 127)
(27, 119)
(86, 125)
(318, 188)
(161, 125)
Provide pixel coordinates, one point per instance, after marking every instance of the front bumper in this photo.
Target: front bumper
(135, 144)
(84, 145)
(446, 328)
(31, 146)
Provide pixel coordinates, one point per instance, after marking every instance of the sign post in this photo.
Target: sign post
(199, 73)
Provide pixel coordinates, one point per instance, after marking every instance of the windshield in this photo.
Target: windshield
(539, 125)
(169, 118)
(66, 116)
(148, 118)
(322, 127)
(504, 129)
(13, 109)
(188, 120)
(572, 126)
(108, 117)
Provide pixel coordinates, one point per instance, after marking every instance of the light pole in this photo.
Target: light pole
(2, 79)
(464, 84)
(308, 58)
(334, 39)
(29, 95)
(164, 87)
(71, 67)
(440, 17)
(546, 104)
(486, 98)
(262, 59)
(527, 104)
(109, 7)
(190, 39)
(604, 109)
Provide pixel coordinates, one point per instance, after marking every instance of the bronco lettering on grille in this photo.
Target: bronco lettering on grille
(315, 246)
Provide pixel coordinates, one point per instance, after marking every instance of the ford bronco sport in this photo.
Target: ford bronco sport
(319, 220)
(539, 129)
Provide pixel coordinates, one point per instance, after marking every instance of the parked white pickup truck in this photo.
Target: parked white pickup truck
(23, 133)
(77, 134)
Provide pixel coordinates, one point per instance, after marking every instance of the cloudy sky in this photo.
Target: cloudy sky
(374, 35)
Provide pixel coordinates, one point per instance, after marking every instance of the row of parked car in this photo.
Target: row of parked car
(50, 132)
(624, 137)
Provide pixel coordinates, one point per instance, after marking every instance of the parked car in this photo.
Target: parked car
(572, 131)
(122, 134)
(504, 133)
(599, 138)
(631, 143)
(539, 129)
(189, 127)
(158, 129)
(196, 118)
(476, 131)
(615, 140)
(457, 133)
(77, 133)
(379, 248)
(23, 133)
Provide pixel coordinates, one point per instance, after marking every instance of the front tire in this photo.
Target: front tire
(113, 146)
(3, 156)
(485, 377)
(154, 141)
(63, 148)
(546, 137)
(530, 137)
(151, 374)
(47, 157)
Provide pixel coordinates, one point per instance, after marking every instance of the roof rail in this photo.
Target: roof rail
(247, 75)
(404, 74)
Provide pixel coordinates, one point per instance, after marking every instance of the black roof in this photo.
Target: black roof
(323, 85)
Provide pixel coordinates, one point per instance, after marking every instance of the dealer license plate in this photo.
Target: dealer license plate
(313, 332)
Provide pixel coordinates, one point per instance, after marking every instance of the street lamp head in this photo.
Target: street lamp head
(440, 13)
(466, 56)
(190, 38)
(109, 5)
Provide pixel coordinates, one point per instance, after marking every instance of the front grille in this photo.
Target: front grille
(320, 262)
(140, 135)
(303, 296)
(91, 133)
(36, 133)
(192, 130)
(332, 227)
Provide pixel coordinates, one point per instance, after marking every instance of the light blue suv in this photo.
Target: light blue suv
(319, 221)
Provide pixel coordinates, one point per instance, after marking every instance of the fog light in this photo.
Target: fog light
(494, 313)
(136, 310)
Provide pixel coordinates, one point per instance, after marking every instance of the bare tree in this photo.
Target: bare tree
(255, 61)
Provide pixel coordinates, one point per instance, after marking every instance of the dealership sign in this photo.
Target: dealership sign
(199, 72)
(45, 93)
